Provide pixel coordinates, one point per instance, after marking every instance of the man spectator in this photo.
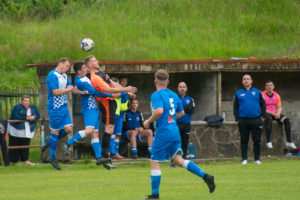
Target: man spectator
(249, 108)
(134, 129)
(184, 123)
(274, 109)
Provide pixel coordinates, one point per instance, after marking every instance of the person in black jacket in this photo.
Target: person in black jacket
(249, 108)
(184, 123)
(3, 127)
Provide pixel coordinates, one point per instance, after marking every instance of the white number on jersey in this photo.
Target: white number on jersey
(172, 109)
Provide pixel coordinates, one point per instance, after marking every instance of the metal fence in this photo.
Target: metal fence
(10, 96)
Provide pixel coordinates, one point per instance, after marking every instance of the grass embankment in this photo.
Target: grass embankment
(156, 29)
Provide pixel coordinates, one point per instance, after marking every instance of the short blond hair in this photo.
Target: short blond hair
(88, 59)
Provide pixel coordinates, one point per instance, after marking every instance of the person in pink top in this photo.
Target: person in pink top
(274, 109)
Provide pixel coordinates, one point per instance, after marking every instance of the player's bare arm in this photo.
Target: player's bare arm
(58, 92)
(155, 115)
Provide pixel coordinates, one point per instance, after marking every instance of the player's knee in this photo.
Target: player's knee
(89, 130)
(178, 160)
(286, 120)
(69, 129)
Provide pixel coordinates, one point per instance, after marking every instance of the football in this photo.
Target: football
(87, 44)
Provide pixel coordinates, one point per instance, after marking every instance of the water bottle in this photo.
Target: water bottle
(224, 116)
(191, 152)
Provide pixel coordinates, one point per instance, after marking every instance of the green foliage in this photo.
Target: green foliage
(154, 29)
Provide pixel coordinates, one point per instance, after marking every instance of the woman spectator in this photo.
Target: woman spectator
(20, 133)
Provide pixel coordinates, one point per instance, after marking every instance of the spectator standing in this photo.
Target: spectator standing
(184, 123)
(21, 133)
(274, 112)
(249, 108)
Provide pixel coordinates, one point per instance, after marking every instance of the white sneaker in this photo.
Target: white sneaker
(269, 145)
(257, 162)
(290, 145)
(244, 162)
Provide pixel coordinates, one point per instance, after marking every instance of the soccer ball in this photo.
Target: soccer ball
(87, 44)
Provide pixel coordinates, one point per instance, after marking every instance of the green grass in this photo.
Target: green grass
(274, 179)
(155, 29)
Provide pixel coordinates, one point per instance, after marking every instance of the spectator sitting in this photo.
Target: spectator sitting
(133, 128)
(273, 107)
(20, 133)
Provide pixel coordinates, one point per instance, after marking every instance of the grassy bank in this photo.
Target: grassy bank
(156, 29)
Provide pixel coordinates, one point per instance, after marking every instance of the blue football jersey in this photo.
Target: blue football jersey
(88, 101)
(56, 80)
(166, 126)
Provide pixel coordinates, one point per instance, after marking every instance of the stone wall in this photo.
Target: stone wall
(224, 142)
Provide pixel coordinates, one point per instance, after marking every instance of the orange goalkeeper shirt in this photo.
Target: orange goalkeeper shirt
(99, 84)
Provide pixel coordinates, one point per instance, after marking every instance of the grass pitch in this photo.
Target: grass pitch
(274, 179)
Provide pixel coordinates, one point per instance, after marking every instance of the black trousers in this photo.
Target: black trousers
(4, 149)
(245, 127)
(16, 155)
(184, 130)
(287, 126)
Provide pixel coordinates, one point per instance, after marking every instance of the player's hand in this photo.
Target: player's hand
(84, 92)
(131, 95)
(116, 94)
(146, 123)
(69, 88)
(131, 89)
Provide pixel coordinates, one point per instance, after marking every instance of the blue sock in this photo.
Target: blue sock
(117, 145)
(192, 167)
(62, 133)
(76, 138)
(155, 181)
(53, 143)
(134, 150)
(96, 147)
(149, 149)
(112, 148)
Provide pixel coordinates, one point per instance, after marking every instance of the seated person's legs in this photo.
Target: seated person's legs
(131, 134)
(287, 128)
(268, 123)
(149, 134)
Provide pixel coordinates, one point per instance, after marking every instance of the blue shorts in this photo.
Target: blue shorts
(125, 137)
(162, 151)
(59, 119)
(91, 118)
(118, 125)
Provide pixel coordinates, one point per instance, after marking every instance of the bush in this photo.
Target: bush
(38, 8)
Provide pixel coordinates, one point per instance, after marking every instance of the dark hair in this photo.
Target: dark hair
(88, 58)
(269, 81)
(247, 75)
(122, 77)
(115, 79)
(131, 100)
(78, 66)
(63, 60)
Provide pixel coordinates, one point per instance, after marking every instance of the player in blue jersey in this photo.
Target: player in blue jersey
(58, 85)
(90, 113)
(166, 108)
(184, 123)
